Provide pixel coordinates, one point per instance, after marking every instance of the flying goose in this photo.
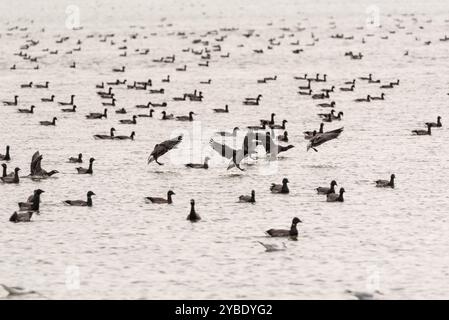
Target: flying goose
(169, 199)
(321, 138)
(386, 183)
(326, 190)
(333, 197)
(88, 170)
(293, 232)
(81, 203)
(250, 199)
(204, 165)
(193, 216)
(271, 147)
(162, 148)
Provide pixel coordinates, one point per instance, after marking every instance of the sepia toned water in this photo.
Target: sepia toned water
(390, 242)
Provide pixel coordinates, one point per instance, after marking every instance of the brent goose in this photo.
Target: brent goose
(67, 103)
(435, 124)
(280, 188)
(149, 115)
(78, 159)
(33, 201)
(229, 134)
(427, 132)
(283, 137)
(204, 165)
(81, 203)
(278, 126)
(225, 110)
(333, 197)
(105, 136)
(386, 183)
(193, 216)
(88, 170)
(73, 109)
(130, 137)
(49, 123)
(97, 115)
(11, 103)
(36, 170)
(6, 156)
(186, 118)
(12, 179)
(169, 199)
(250, 199)
(162, 148)
(166, 116)
(20, 217)
(128, 121)
(326, 190)
(51, 99)
(293, 232)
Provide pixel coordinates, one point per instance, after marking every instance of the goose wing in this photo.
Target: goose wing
(222, 149)
(35, 166)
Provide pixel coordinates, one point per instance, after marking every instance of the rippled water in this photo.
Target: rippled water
(392, 241)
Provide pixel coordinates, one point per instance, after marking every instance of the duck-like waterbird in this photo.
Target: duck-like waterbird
(162, 148)
(293, 232)
(81, 203)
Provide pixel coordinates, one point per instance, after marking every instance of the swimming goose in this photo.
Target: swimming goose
(143, 106)
(327, 115)
(31, 110)
(97, 115)
(166, 79)
(162, 148)
(193, 216)
(204, 165)
(321, 138)
(169, 199)
(338, 116)
(163, 104)
(73, 109)
(293, 232)
(49, 123)
(387, 86)
(21, 217)
(78, 159)
(427, 132)
(5, 174)
(186, 118)
(395, 83)
(386, 183)
(11, 103)
(435, 124)
(112, 103)
(277, 126)
(333, 197)
(321, 96)
(51, 99)
(182, 69)
(166, 116)
(81, 203)
(105, 93)
(350, 82)
(130, 137)
(283, 137)
(120, 111)
(229, 134)
(304, 77)
(252, 101)
(225, 110)
(305, 93)
(373, 81)
(328, 90)
(370, 77)
(33, 201)
(67, 103)
(105, 136)
(326, 190)
(88, 170)
(100, 86)
(317, 79)
(327, 105)
(306, 87)
(269, 122)
(280, 188)
(149, 115)
(250, 199)
(128, 121)
(13, 179)
(382, 97)
(348, 89)
(6, 156)
(368, 99)
(122, 69)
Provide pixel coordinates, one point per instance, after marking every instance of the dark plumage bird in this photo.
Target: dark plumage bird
(166, 116)
(11, 103)
(386, 183)
(162, 148)
(36, 170)
(48, 123)
(88, 170)
(186, 118)
(5, 174)
(81, 203)
(193, 216)
(333, 197)
(148, 115)
(128, 121)
(280, 188)
(250, 199)
(33, 201)
(105, 136)
(283, 137)
(204, 165)
(321, 138)
(72, 109)
(72, 97)
(278, 126)
(78, 159)
(130, 137)
(51, 99)
(30, 110)
(97, 115)
(435, 124)
(310, 134)
(21, 217)
(225, 110)
(12, 179)
(326, 190)
(271, 147)
(293, 232)
(6, 156)
(427, 132)
(169, 199)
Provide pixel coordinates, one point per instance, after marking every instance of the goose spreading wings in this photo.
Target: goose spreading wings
(162, 148)
(36, 169)
(321, 138)
(236, 156)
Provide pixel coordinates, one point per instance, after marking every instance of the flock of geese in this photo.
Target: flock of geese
(206, 48)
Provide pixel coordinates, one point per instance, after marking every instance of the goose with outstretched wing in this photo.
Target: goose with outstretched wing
(321, 138)
(162, 148)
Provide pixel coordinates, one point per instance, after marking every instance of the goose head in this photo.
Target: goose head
(90, 194)
(285, 181)
(333, 183)
(91, 160)
(392, 177)
(38, 191)
(296, 220)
